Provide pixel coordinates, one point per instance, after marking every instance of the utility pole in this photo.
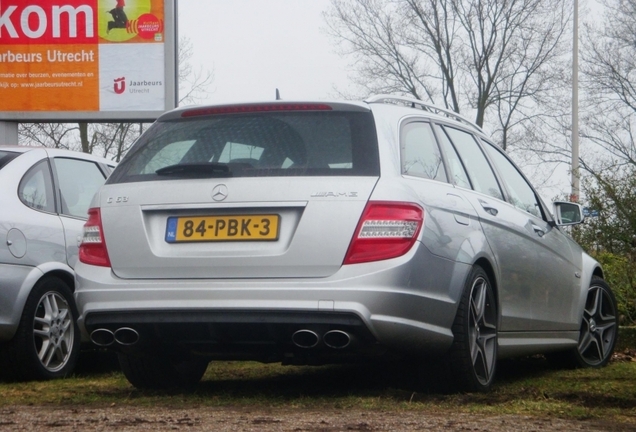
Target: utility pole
(576, 180)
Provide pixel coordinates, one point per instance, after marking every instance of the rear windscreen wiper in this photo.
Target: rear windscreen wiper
(196, 169)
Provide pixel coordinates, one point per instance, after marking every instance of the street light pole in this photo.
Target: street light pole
(574, 196)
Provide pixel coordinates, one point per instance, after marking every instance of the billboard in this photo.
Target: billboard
(75, 60)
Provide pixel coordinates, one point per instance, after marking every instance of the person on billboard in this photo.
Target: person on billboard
(120, 20)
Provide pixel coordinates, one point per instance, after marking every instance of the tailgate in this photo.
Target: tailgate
(272, 227)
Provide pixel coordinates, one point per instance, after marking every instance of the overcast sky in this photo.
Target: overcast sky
(256, 46)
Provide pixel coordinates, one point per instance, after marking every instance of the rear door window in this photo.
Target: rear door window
(78, 181)
(481, 174)
(36, 188)
(456, 169)
(334, 143)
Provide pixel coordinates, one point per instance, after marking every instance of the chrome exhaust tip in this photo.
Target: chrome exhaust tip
(126, 336)
(305, 338)
(102, 337)
(337, 339)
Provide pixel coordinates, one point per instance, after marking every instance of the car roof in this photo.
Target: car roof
(403, 104)
(52, 152)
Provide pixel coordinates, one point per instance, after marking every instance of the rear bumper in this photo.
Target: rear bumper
(399, 306)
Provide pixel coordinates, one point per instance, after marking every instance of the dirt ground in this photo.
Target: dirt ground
(202, 418)
(115, 418)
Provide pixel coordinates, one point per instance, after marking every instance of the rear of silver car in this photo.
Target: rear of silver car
(264, 232)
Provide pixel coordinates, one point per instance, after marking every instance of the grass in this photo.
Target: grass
(523, 387)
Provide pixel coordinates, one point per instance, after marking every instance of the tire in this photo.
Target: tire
(473, 354)
(47, 342)
(598, 332)
(161, 373)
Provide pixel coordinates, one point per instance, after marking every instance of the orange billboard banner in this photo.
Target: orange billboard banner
(101, 58)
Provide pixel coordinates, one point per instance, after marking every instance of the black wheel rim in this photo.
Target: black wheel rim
(482, 330)
(598, 329)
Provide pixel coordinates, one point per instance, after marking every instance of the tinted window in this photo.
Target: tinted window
(456, 169)
(420, 154)
(6, 157)
(36, 188)
(270, 144)
(481, 175)
(78, 182)
(521, 194)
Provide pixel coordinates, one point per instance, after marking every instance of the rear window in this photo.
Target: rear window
(334, 143)
(6, 157)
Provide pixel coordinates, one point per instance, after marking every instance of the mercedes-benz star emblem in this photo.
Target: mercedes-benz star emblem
(219, 193)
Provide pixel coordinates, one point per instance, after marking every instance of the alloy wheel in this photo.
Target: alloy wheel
(598, 329)
(482, 330)
(53, 333)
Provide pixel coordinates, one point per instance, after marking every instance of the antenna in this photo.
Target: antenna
(277, 95)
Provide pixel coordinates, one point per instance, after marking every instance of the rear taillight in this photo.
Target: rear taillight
(93, 250)
(386, 230)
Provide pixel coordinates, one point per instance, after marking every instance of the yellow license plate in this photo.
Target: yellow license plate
(222, 228)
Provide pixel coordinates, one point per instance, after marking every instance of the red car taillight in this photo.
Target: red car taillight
(93, 250)
(386, 230)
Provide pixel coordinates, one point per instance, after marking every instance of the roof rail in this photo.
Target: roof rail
(416, 103)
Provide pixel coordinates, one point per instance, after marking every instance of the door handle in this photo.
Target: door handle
(537, 229)
(490, 209)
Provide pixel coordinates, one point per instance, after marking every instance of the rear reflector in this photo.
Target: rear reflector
(386, 230)
(93, 250)
(240, 109)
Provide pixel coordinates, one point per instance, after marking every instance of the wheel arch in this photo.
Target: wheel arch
(60, 271)
(31, 279)
(590, 269)
(67, 277)
(485, 264)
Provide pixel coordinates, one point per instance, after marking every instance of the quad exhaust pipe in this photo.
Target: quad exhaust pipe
(305, 338)
(336, 339)
(123, 336)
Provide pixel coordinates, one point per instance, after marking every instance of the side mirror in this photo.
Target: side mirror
(567, 213)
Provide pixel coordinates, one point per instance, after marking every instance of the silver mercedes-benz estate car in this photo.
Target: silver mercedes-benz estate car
(44, 198)
(314, 232)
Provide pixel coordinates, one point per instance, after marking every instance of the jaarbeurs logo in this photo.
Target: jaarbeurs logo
(119, 85)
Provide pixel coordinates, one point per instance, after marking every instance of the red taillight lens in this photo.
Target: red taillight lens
(386, 230)
(93, 248)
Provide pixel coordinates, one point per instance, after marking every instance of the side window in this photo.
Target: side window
(78, 182)
(36, 188)
(420, 154)
(481, 175)
(521, 194)
(457, 172)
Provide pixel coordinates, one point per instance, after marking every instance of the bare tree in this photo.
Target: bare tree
(609, 69)
(193, 84)
(495, 58)
(55, 135)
